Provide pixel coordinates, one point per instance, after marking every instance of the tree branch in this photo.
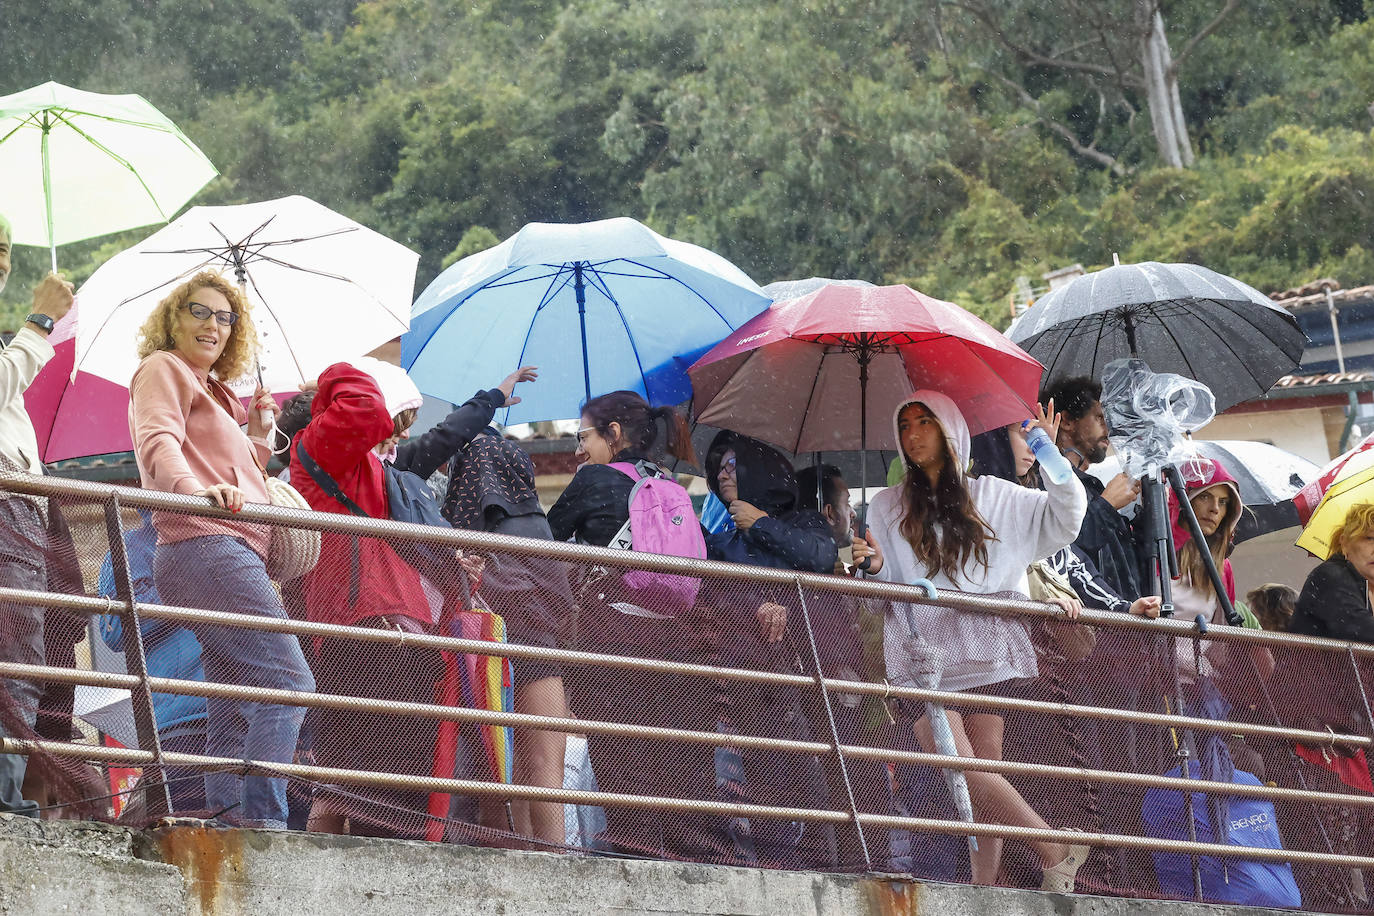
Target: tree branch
(1208, 29)
(980, 12)
(1090, 152)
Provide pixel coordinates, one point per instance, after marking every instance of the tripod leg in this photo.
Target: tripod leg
(1159, 545)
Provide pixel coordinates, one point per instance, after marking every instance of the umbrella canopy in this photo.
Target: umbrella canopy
(1178, 318)
(597, 306)
(82, 164)
(1268, 478)
(780, 290)
(94, 420)
(796, 374)
(1318, 538)
(323, 287)
(75, 417)
(1356, 460)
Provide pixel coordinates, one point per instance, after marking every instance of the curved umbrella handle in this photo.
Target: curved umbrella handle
(943, 734)
(931, 592)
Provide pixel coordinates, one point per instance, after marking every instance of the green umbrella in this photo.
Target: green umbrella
(82, 164)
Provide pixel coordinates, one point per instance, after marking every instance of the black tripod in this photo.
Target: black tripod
(1163, 561)
(1163, 567)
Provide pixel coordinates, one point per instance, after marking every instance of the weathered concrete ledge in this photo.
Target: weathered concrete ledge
(94, 869)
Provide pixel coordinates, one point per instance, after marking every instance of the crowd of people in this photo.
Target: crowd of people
(970, 514)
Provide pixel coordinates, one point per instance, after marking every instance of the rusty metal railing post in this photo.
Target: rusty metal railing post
(157, 796)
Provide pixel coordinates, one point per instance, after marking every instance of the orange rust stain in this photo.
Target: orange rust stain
(211, 860)
(895, 898)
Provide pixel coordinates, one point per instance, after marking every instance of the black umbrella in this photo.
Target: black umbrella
(1178, 318)
(1268, 478)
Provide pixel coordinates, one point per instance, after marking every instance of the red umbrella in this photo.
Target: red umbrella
(1358, 459)
(794, 374)
(76, 418)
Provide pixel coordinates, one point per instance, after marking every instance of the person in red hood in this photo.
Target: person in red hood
(1216, 502)
(360, 416)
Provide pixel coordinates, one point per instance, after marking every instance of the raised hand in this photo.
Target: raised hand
(507, 386)
(262, 411)
(53, 297)
(1046, 419)
(867, 548)
(745, 514)
(772, 621)
(1121, 491)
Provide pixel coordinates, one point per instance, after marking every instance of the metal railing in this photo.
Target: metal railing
(141, 686)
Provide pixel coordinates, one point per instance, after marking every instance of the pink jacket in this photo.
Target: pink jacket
(185, 439)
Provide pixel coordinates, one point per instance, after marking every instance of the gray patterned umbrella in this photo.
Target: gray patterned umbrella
(1179, 318)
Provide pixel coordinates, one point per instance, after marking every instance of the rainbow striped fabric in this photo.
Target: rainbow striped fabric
(486, 684)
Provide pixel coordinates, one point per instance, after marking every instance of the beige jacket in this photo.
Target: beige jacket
(19, 365)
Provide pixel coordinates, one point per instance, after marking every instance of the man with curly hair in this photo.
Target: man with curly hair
(1106, 538)
(22, 520)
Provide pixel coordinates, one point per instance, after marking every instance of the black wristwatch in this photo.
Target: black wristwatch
(43, 321)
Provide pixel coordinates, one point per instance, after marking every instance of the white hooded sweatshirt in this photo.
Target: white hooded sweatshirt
(1027, 525)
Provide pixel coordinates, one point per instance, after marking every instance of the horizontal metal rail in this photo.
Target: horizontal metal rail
(131, 757)
(86, 604)
(662, 733)
(35, 485)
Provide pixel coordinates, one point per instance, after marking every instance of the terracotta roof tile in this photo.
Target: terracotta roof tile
(1304, 296)
(1327, 378)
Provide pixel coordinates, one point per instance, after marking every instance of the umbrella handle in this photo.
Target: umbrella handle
(931, 592)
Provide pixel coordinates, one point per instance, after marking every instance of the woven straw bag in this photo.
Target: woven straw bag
(1057, 640)
(293, 551)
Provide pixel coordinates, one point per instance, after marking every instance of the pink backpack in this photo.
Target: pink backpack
(661, 521)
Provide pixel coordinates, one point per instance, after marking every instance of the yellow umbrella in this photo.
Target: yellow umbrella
(1317, 537)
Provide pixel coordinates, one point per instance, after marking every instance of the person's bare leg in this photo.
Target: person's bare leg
(323, 819)
(539, 759)
(985, 736)
(994, 799)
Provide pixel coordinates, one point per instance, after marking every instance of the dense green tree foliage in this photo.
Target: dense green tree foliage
(952, 144)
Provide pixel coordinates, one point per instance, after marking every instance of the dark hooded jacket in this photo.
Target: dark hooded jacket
(1108, 540)
(789, 538)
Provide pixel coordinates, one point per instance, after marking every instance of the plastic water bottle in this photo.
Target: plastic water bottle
(1054, 464)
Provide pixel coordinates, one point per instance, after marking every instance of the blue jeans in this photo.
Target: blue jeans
(221, 573)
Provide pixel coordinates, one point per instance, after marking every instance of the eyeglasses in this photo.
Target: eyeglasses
(730, 464)
(201, 312)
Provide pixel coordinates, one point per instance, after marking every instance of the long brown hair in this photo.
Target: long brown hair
(947, 505)
(639, 424)
(1190, 563)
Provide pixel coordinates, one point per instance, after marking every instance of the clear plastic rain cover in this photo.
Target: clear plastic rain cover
(1149, 412)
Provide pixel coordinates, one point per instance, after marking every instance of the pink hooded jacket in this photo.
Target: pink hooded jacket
(1212, 473)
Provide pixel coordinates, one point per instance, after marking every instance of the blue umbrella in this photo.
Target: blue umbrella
(597, 306)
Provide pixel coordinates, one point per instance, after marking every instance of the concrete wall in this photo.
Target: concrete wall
(1303, 432)
(51, 868)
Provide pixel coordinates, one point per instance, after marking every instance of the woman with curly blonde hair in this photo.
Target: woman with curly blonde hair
(187, 428)
(1336, 598)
